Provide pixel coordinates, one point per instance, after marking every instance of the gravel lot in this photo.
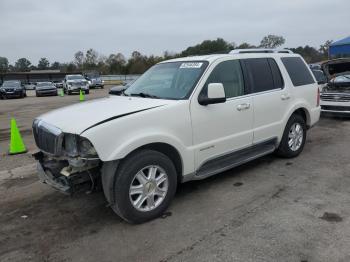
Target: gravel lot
(271, 209)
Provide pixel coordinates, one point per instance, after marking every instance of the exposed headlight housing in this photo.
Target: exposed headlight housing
(75, 146)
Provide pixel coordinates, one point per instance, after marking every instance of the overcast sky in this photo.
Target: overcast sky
(57, 29)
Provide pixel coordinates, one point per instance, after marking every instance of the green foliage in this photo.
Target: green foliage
(43, 64)
(139, 63)
(208, 47)
(22, 65)
(55, 65)
(245, 46)
(4, 64)
(272, 41)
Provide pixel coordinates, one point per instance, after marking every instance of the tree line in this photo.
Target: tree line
(138, 63)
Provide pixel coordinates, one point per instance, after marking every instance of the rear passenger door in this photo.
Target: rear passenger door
(270, 97)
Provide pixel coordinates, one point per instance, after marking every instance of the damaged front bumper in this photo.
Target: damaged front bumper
(62, 176)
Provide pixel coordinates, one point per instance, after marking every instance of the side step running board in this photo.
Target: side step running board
(231, 160)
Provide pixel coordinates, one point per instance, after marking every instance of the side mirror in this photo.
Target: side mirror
(216, 95)
(321, 82)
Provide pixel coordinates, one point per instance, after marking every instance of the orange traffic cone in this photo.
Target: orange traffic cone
(16, 143)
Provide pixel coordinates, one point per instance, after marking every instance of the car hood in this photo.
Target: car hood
(77, 118)
(77, 81)
(336, 67)
(45, 87)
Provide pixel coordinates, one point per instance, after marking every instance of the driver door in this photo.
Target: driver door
(223, 128)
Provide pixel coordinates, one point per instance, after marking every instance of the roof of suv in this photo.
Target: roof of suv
(212, 58)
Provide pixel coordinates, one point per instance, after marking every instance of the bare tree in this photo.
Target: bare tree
(79, 59)
(272, 41)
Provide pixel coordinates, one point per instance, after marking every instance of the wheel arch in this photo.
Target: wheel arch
(168, 150)
(304, 113)
(109, 168)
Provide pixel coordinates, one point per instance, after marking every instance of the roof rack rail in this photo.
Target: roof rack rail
(260, 50)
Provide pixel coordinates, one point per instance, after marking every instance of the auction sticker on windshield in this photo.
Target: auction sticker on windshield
(191, 65)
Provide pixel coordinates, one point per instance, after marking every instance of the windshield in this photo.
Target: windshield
(173, 80)
(75, 77)
(11, 84)
(43, 84)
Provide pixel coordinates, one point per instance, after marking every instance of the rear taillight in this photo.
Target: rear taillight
(318, 96)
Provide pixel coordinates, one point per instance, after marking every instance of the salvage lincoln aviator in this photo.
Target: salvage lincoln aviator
(184, 119)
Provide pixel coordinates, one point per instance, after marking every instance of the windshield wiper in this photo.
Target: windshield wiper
(144, 95)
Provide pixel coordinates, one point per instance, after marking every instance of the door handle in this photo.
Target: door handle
(244, 106)
(285, 96)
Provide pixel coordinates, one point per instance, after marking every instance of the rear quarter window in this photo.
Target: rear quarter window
(298, 71)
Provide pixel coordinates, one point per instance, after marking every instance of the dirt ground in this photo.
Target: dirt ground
(271, 209)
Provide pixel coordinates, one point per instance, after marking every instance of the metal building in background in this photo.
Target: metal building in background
(340, 48)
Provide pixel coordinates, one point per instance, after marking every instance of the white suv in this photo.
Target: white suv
(184, 119)
(75, 83)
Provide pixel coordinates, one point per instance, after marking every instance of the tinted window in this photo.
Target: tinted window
(259, 73)
(229, 73)
(276, 74)
(298, 71)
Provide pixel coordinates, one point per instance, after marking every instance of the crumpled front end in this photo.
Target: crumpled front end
(67, 162)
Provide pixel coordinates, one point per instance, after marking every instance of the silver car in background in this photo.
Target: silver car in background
(45, 89)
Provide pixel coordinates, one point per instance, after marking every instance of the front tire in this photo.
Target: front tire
(294, 137)
(144, 186)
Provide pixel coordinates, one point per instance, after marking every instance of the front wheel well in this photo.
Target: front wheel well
(170, 152)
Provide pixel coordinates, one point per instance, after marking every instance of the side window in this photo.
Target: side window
(229, 73)
(259, 72)
(298, 71)
(276, 74)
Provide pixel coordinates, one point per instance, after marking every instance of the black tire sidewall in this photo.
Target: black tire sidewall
(124, 176)
(284, 149)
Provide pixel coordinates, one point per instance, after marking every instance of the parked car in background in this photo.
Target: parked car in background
(75, 83)
(320, 78)
(184, 119)
(30, 86)
(335, 96)
(58, 84)
(315, 66)
(12, 88)
(94, 80)
(46, 89)
(119, 89)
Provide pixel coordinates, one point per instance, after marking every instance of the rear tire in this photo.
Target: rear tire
(294, 137)
(153, 196)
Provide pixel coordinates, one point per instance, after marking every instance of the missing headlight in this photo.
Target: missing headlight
(75, 145)
(86, 149)
(70, 144)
